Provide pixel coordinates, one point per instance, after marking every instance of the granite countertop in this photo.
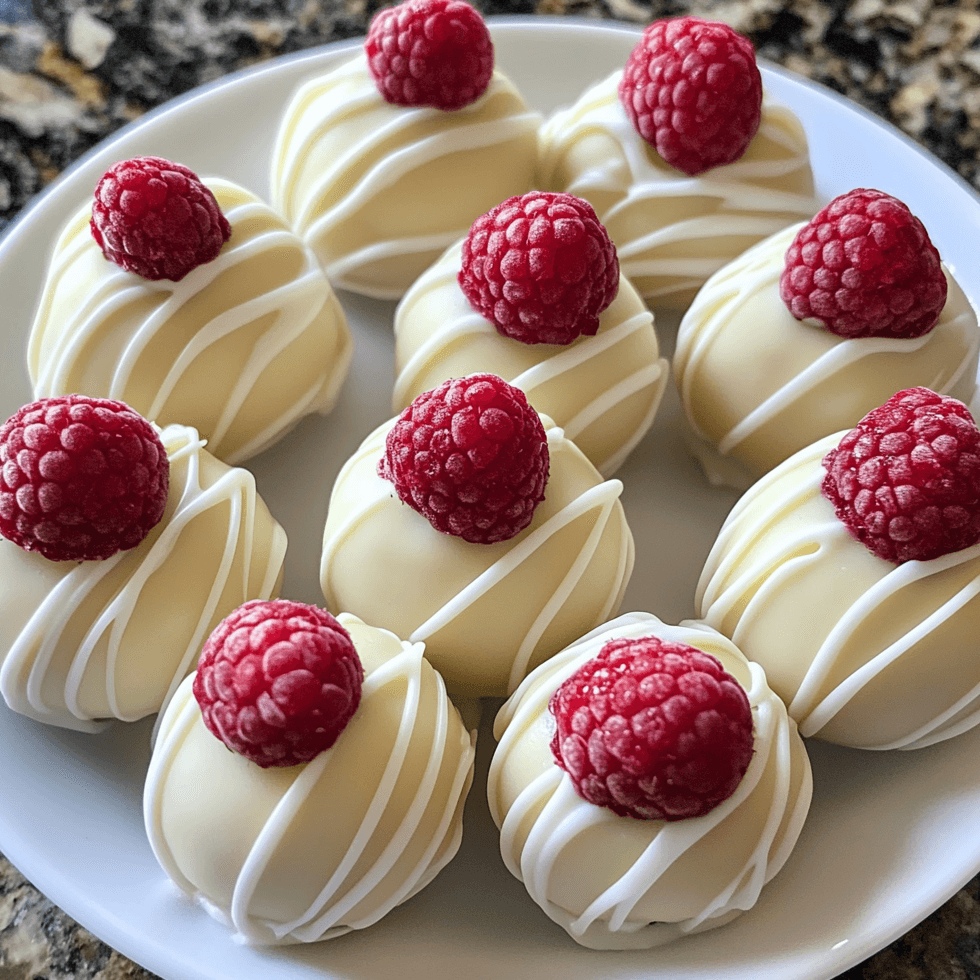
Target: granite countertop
(73, 71)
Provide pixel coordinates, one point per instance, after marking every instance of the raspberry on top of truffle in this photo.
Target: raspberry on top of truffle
(471, 456)
(540, 267)
(692, 90)
(653, 729)
(157, 219)
(80, 478)
(278, 681)
(864, 266)
(435, 53)
(906, 480)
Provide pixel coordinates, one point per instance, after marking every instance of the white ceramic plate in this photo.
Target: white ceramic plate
(889, 837)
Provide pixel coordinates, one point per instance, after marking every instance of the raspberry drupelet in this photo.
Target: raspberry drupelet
(540, 267)
(434, 53)
(278, 681)
(471, 456)
(864, 266)
(652, 729)
(80, 478)
(156, 218)
(693, 91)
(906, 480)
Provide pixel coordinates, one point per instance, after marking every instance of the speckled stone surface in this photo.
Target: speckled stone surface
(73, 71)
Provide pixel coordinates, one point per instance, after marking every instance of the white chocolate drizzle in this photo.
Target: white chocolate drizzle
(600, 500)
(381, 156)
(561, 365)
(729, 577)
(59, 348)
(25, 670)
(558, 815)
(744, 206)
(329, 915)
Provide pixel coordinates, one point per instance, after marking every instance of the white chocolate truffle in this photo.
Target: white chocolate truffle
(865, 653)
(380, 191)
(757, 385)
(673, 231)
(487, 613)
(81, 642)
(241, 348)
(617, 882)
(604, 391)
(310, 852)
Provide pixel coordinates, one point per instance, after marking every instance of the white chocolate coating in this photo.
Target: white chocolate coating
(310, 852)
(757, 385)
(673, 231)
(865, 653)
(487, 613)
(241, 348)
(93, 640)
(380, 190)
(617, 882)
(604, 391)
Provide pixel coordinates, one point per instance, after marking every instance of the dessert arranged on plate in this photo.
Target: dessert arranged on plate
(584, 350)
(122, 547)
(684, 158)
(648, 780)
(337, 769)
(647, 783)
(809, 330)
(384, 162)
(241, 337)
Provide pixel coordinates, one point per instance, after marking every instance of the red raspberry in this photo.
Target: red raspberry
(157, 219)
(692, 90)
(540, 267)
(864, 267)
(653, 729)
(434, 53)
(278, 681)
(906, 480)
(471, 456)
(80, 478)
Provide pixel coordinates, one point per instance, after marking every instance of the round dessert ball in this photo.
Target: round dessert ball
(603, 390)
(308, 852)
(379, 190)
(82, 642)
(757, 385)
(487, 613)
(241, 347)
(673, 231)
(864, 652)
(616, 881)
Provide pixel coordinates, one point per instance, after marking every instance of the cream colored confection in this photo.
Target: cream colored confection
(241, 348)
(604, 391)
(488, 613)
(865, 653)
(757, 385)
(617, 882)
(309, 852)
(380, 190)
(673, 231)
(85, 641)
